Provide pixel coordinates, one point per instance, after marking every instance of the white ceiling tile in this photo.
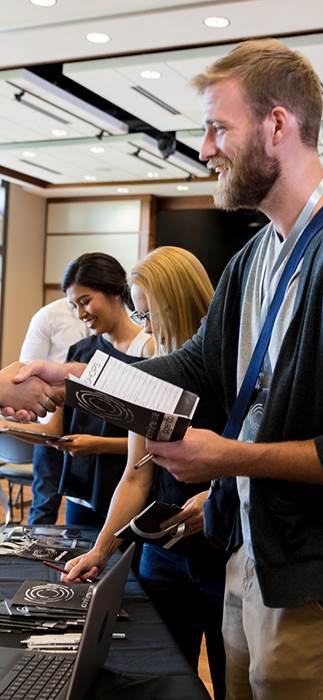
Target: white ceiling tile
(59, 34)
(30, 34)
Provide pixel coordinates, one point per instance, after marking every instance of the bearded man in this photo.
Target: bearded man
(263, 108)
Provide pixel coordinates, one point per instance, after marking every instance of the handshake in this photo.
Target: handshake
(31, 390)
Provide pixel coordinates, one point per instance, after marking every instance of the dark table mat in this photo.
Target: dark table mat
(146, 665)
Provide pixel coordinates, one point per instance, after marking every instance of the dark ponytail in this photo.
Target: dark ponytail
(98, 271)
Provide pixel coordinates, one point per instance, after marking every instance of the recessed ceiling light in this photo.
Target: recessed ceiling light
(98, 37)
(89, 178)
(97, 149)
(182, 188)
(29, 154)
(123, 190)
(217, 22)
(150, 74)
(58, 132)
(152, 175)
(43, 3)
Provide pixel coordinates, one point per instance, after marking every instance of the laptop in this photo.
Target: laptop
(66, 676)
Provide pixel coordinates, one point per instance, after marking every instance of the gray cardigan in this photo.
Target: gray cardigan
(286, 518)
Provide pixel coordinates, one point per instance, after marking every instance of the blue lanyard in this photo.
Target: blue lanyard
(242, 402)
(294, 233)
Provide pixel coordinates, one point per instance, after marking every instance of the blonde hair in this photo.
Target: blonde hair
(269, 74)
(178, 291)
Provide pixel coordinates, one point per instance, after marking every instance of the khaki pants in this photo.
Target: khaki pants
(271, 653)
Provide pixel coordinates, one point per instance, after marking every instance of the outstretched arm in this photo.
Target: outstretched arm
(53, 427)
(36, 396)
(204, 455)
(51, 372)
(81, 444)
(129, 499)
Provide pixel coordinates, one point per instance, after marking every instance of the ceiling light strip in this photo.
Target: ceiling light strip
(169, 161)
(41, 167)
(156, 100)
(187, 164)
(146, 150)
(41, 110)
(146, 160)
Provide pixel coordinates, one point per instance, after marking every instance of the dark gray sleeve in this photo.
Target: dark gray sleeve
(319, 446)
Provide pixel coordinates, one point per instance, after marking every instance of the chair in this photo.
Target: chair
(16, 467)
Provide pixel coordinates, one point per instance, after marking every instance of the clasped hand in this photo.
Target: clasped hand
(35, 397)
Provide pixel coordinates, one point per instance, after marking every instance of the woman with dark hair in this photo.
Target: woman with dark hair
(96, 285)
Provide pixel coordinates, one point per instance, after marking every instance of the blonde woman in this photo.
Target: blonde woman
(173, 284)
(171, 292)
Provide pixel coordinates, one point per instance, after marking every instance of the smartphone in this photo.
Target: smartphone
(34, 434)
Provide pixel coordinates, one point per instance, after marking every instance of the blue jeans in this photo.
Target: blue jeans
(76, 514)
(189, 598)
(47, 468)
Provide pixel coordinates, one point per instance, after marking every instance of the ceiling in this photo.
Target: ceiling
(79, 118)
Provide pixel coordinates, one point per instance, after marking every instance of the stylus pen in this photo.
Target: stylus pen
(59, 568)
(143, 460)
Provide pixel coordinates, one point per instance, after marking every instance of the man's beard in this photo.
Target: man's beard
(249, 178)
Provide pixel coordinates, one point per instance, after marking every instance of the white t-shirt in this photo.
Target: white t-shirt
(51, 331)
(260, 287)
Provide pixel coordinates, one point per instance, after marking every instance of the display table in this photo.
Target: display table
(147, 665)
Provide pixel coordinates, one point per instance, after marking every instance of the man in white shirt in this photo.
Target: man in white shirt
(52, 330)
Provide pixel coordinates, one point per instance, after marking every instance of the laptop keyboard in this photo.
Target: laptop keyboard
(37, 676)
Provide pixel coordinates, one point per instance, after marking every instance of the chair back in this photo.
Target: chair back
(14, 450)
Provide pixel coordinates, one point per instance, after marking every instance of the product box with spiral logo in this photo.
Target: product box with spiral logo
(132, 399)
(58, 596)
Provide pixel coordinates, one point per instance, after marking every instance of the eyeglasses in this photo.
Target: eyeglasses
(140, 317)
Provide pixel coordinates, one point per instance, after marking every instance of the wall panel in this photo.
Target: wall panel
(60, 250)
(118, 216)
(123, 227)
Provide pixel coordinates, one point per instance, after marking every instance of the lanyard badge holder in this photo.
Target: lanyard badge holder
(221, 515)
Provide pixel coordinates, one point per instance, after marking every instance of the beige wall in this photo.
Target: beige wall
(52, 295)
(23, 284)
